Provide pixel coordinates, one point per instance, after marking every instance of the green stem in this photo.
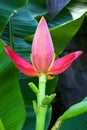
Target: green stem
(41, 115)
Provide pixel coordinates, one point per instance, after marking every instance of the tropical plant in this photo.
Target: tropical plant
(18, 22)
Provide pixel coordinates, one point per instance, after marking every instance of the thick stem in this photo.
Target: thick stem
(41, 115)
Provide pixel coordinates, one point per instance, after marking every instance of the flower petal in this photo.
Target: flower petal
(24, 66)
(42, 47)
(60, 65)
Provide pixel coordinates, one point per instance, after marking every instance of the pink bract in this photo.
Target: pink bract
(42, 47)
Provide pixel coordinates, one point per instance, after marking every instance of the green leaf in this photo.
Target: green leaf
(75, 123)
(37, 7)
(30, 119)
(73, 113)
(23, 22)
(12, 111)
(75, 110)
(65, 25)
(1, 125)
(55, 6)
(7, 9)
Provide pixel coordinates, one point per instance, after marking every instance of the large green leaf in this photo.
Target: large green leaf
(55, 6)
(12, 111)
(1, 125)
(23, 23)
(37, 7)
(76, 123)
(75, 110)
(62, 35)
(65, 25)
(74, 113)
(7, 9)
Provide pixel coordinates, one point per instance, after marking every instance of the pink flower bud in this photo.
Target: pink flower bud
(42, 47)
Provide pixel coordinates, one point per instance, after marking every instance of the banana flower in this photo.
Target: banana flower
(43, 56)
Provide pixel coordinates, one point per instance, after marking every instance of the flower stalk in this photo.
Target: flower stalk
(42, 109)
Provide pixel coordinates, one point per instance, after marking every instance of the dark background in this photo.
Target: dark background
(72, 84)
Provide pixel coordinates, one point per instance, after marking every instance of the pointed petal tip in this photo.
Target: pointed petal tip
(78, 53)
(42, 18)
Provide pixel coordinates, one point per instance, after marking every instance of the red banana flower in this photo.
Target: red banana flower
(42, 55)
